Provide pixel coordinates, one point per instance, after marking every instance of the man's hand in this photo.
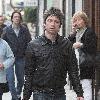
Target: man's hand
(77, 45)
(74, 29)
(80, 98)
(1, 66)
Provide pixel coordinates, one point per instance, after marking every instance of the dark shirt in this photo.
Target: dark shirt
(18, 43)
(47, 64)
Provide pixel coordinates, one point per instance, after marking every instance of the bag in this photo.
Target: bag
(4, 87)
(85, 59)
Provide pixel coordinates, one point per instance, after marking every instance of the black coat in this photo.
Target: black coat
(89, 46)
(47, 64)
(1, 28)
(17, 44)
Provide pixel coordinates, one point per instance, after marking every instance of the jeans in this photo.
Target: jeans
(1, 96)
(11, 82)
(47, 96)
(19, 71)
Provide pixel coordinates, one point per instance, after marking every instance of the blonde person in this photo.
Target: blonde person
(84, 43)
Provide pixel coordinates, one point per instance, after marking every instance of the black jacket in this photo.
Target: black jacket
(17, 44)
(89, 46)
(47, 64)
(1, 29)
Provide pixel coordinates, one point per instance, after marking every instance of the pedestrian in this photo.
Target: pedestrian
(17, 37)
(2, 25)
(6, 61)
(48, 58)
(84, 43)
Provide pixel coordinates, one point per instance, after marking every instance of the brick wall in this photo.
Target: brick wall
(92, 8)
(97, 21)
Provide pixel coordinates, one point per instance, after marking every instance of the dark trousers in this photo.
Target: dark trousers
(3, 89)
(1, 96)
(38, 95)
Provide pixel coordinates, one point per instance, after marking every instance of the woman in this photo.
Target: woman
(84, 43)
(6, 60)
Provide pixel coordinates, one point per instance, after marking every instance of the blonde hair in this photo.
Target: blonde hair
(83, 16)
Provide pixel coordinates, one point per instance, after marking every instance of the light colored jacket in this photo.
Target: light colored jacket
(6, 57)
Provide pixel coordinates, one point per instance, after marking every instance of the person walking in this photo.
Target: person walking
(48, 58)
(2, 25)
(6, 60)
(84, 42)
(17, 36)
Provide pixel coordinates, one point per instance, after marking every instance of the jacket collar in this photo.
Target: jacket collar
(45, 40)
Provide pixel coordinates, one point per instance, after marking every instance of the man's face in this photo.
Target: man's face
(16, 18)
(78, 23)
(52, 25)
(1, 20)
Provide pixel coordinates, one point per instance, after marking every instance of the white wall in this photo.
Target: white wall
(0, 7)
(78, 5)
(40, 17)
(68, 16)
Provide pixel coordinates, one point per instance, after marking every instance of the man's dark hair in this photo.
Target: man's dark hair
(53, 11)
(18, 13)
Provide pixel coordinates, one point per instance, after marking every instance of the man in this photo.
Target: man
(17, 37)
(2, 25)
(48, 58)
(84, 43)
